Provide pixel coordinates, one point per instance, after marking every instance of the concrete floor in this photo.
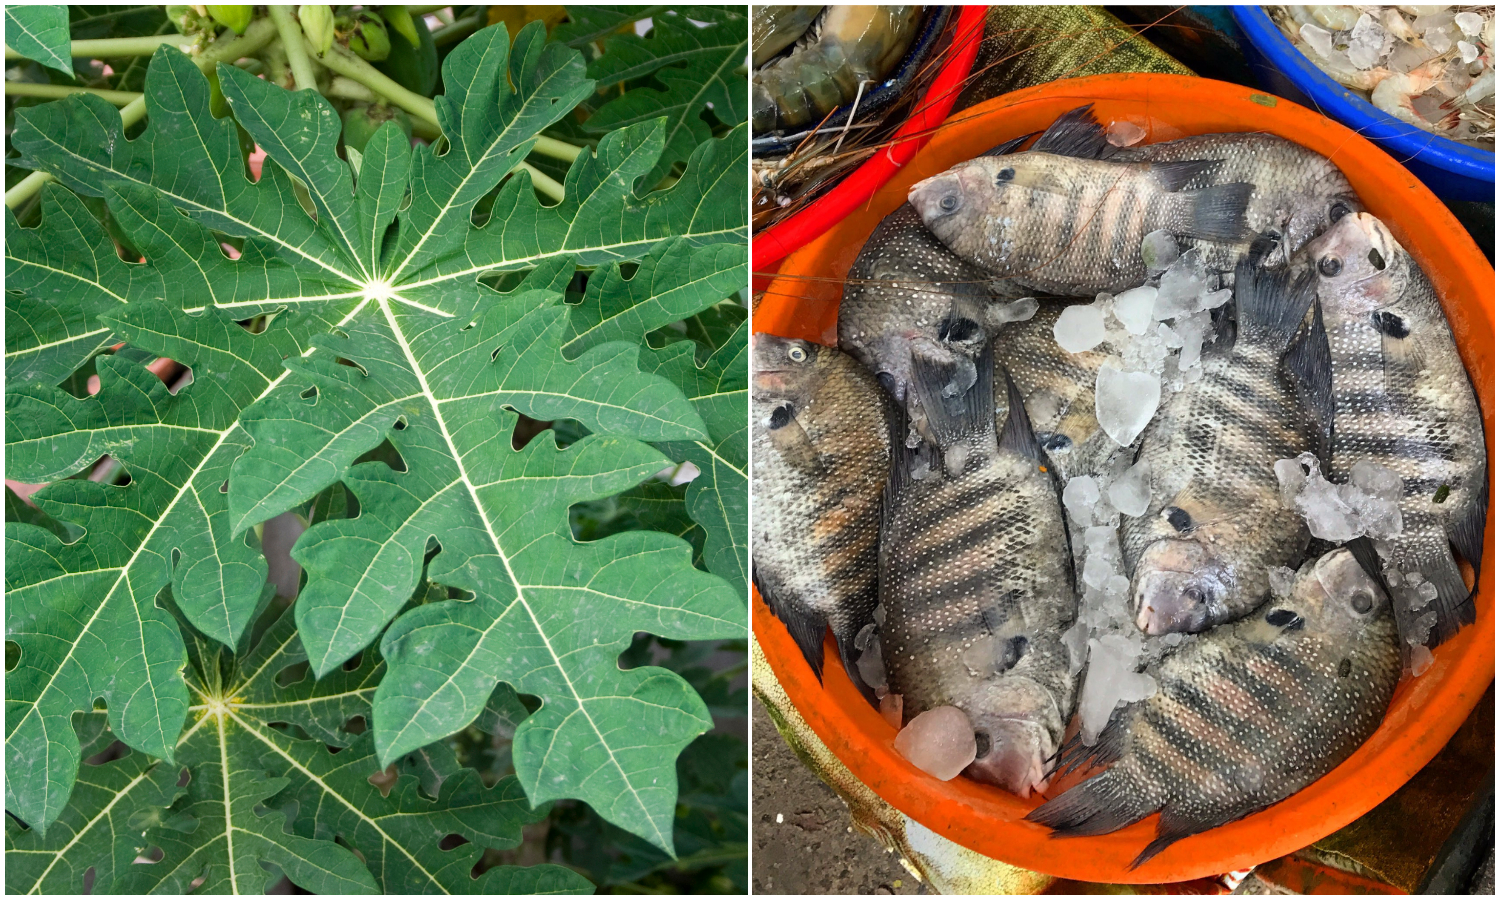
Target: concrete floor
(803, 841)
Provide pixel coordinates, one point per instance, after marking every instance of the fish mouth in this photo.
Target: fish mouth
(1179, 587)
(1015, 759)
(1381, 240)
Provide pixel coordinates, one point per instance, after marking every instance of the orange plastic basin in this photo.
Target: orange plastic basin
(802, 301)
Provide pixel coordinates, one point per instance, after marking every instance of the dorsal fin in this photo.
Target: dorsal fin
(1076, 133)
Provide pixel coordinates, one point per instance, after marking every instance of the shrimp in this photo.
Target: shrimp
(1395, 93)
(775, 28)
(847, 49)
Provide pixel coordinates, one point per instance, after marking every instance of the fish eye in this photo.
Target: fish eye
(1006, 174)
(1055, 442)
(1178, 518)
(1195, 594)
(949, 203)
(1345, 667)
(1337, 211)
(981, 744)
(1330, 266)
(1376, 259)
(1362, 601)
(1284, 618)
(797, 354)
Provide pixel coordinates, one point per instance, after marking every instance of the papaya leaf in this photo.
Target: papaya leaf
(700, 55)
(351, 316)
(40, 33)
(246, 792)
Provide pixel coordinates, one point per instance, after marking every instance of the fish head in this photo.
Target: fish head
(1181, 585)
(974, 207)
(947, 203)
(1316, 210)
(785, 374)
(1010, 753)
(1357, 262)
(1335, 595)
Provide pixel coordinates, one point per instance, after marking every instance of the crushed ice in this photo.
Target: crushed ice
(1368, 505)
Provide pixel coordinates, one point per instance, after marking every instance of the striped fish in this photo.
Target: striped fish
(1402, 398)
(906, 293)
(1298, 193)
(1058, 388)
(977, 581)
(1200, 554)
(1245, 716)
(1072, 225)
(820, 444)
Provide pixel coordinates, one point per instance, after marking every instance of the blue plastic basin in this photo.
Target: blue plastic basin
(1452, 170)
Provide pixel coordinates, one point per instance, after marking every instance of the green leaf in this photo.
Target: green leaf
(245, 793)
(40, 33)
(702, 68)
(380, 334)
(587, 24)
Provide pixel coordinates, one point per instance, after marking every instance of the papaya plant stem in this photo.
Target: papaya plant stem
(115, 48)
(296, 54)
(349, 89)
(25, 189)
(556, 149)
(429, 8)
(344, 62)
(460, 28)
(543, 182)
(55, 91)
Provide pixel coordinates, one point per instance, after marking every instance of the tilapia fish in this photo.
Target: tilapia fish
(1216, 524)
(1245, 716)
(820, 437)
(908, 294)
(1070, 224)
(1058, 387)
(1402, 399)
(1298, 193)
(977, 584)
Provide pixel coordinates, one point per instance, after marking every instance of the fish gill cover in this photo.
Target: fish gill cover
(407, 303)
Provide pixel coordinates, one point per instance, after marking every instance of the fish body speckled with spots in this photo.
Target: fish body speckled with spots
(1402, 398)
(820, 432)
(1216, 525)
(1072, 226)
(977, 583)
(1298, 193)
(1245, 716)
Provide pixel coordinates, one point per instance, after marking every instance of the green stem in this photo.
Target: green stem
(25, 189)
(57, 91)
(349, 89)
(460, 28)
(296, 54)
(543, 182)
(343, 62)
(424, 10)
(556, 149)
(114, 48)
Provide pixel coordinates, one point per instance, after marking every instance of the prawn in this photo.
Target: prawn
(1395, 93)
(848, 48)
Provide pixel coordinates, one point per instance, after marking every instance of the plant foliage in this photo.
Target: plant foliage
(359, 357)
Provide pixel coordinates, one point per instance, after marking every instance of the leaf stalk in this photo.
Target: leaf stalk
(296, 52)
(115, 48)
(58, 91)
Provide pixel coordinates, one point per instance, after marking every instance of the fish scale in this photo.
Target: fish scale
(1212, 450)
(973, 560)
(1402, 399)
(1245, 716)
(820, 435)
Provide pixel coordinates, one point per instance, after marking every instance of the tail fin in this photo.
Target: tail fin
(1016, 434)
(1103, 804)
(956, 411)
(849, 656)
(1466, 531)
(1214, 213)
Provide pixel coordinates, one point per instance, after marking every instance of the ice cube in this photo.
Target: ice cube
(871, 666)
(1182, 284)
(1079, 328)
(1321, 40)
(1133, 308)
(1127, 134)
(1124, 402)
(1367, 42)
(939, 741)
(1421, 660)
(1111, 680)
(1098, 539)
(1079, 496)
(1076, 640)
(1117, 587)
(1097, 571)
(1191, 330)
(1131, 492)
(1328, 515)
(1015, 311)
(1469, 23)
(1158, 251)
(1427, 592)
(1282, 580)
(1437, 40)
(1292, 477)
(1467, 51)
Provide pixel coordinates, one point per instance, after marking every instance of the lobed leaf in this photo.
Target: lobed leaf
(40, 33)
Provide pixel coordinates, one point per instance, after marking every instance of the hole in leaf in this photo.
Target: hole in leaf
(88, 880)
(353, 365)
(293, 674)
(179, 380)
(224, 488)
(99, 705)
(124, 479)
(452, 842)
(152, 856)
(339, 839)
(384, 452)
(309, 394)
(185, 777)
(354, 661)
(12, 655)
(526, 429)
(356, 725)
(114, 751)
(399, 424)
(198, 882)
(384, 780)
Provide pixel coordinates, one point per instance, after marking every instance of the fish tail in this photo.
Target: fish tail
(953, 413)
(1214, 213)
(1466, 531)
(1169, 830)
(1271, 304)
(1454, 603)
(1103, 804)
